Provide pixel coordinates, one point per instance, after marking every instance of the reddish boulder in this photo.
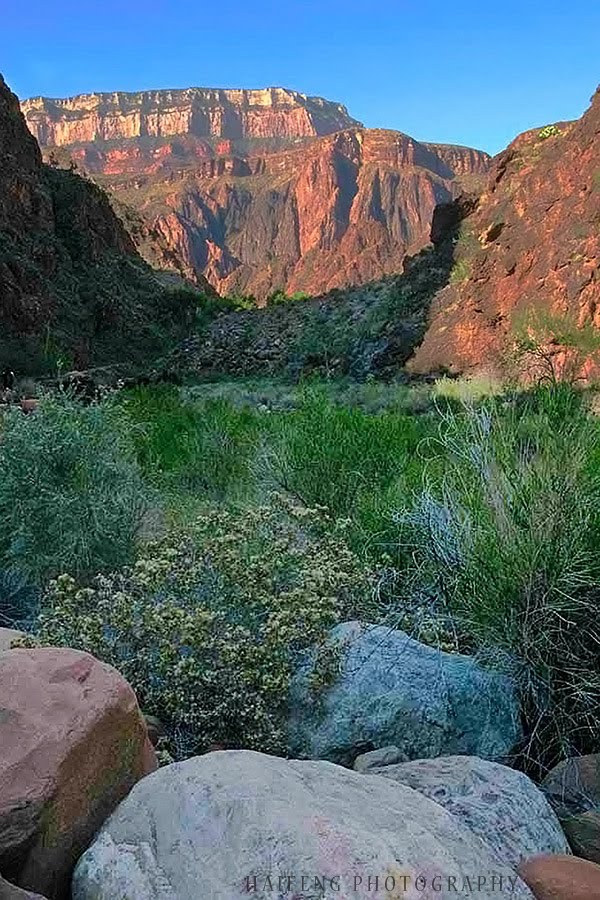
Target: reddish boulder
(73, 744)
(561, 877)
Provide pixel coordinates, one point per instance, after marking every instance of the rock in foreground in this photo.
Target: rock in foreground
(502, 806)
(73, 744)
(573, 788)
(210, 826)
(562, 878)
(392, 690)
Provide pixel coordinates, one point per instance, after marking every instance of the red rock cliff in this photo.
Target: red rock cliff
(531, 242)
(259, 190)
(203, 112)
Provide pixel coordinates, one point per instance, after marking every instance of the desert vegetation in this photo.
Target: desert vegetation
(201, 538)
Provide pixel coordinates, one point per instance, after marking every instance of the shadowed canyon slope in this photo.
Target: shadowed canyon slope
(72, 285)
(259, 190)
(530, 242)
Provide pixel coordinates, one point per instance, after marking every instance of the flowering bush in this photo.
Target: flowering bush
(208, 625)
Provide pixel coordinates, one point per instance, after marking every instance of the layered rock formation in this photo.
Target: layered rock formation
(524, 249)
(259, 190)
(530, 243)
(203, 112)
(72, 285)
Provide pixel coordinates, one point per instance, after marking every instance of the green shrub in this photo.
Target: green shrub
(208, 625)
(461, 270)
(507, 547)
(71, 497)
(329, 454)
(549, 131)
(206, 446)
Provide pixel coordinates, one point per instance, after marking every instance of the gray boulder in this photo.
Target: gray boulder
(392, 690)
(231, 824)
(573, 789)
(11, 892)
(573, 786)
(501, 805)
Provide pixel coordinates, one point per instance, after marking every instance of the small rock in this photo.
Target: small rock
(573, 786)
(7, 636)
(155, 729)
(374, 759)
(583, 834)
(10, 892)
(556, 877)
(29, 405)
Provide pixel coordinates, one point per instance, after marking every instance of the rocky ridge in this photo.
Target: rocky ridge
(203, 112)
(529, 245)
(526, 244)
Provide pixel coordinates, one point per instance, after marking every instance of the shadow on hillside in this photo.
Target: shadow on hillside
(367, 330)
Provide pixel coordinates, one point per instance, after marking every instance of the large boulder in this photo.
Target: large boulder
(502, 806)
(73, 744)
(561, 878)
(231, 824)
(392, 690)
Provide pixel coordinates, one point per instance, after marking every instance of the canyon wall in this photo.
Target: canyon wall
(73, 288)
(259, 190)
(203, 112)
(528, 249)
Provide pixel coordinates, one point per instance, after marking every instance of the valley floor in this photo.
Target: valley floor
(203, 539)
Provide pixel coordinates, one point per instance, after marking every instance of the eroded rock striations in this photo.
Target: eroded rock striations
(204, 112)
(259, 190)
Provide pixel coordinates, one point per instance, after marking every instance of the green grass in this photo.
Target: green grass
(506, 545)
(71, 495)
(202, 448)
(478, 507)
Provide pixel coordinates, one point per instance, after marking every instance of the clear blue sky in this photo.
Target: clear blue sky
(459, 71)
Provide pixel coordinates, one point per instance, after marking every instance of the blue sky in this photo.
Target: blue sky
(460, 71)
